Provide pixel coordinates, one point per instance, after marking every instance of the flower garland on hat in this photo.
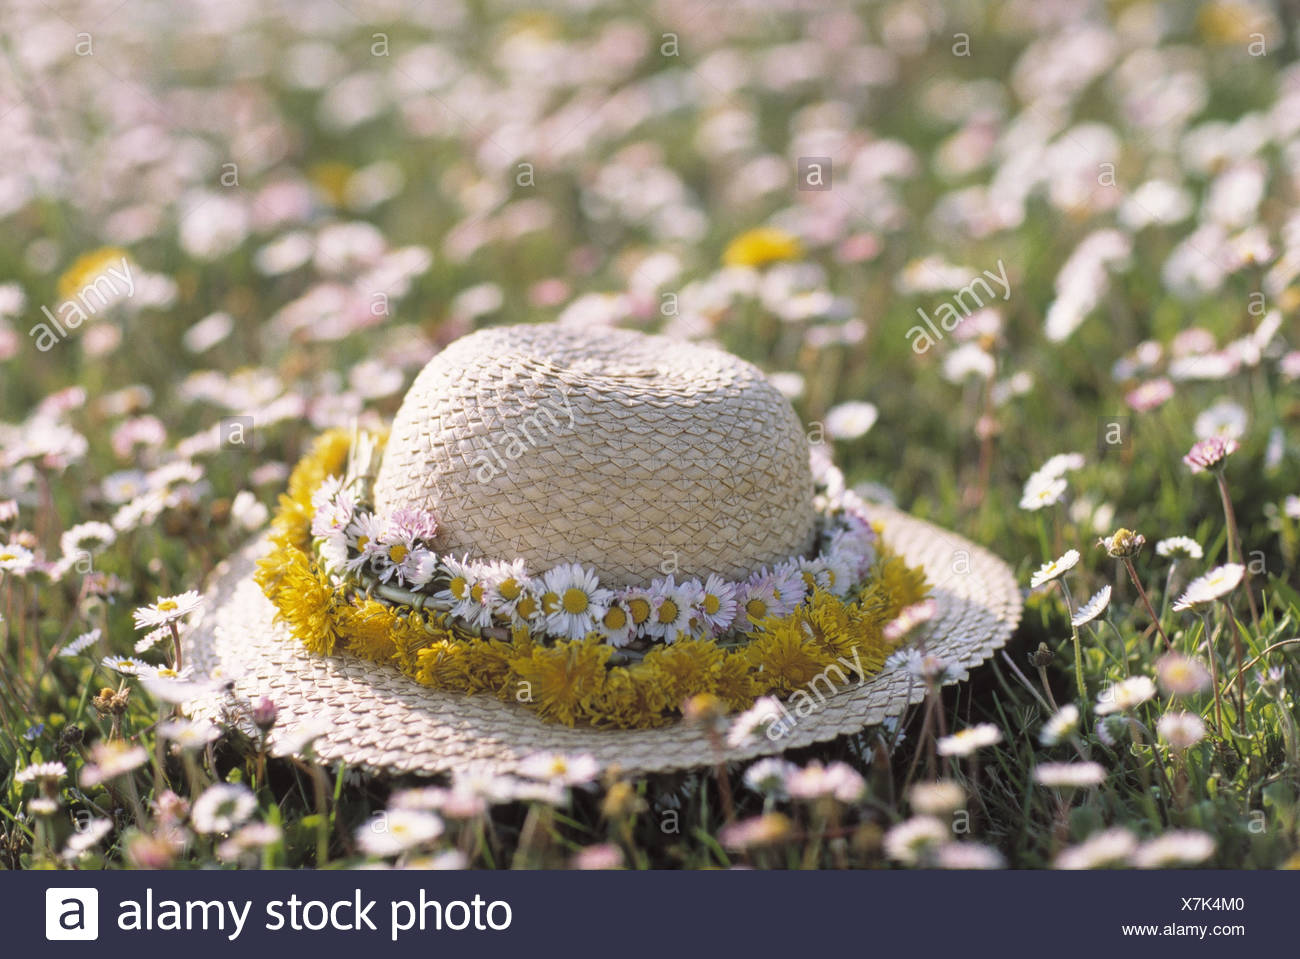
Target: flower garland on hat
(344, 579)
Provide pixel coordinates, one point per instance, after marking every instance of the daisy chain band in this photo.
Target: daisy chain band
(345, 579)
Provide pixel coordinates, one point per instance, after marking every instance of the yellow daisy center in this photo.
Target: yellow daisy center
(550, 602)
(575, 600)
(808, 579)
(615, 618)
(361, 542)
(667, 611)
(711, 604)
(459, 586)
(397, 552)
(756, 609)
(476, 592)
(166, 606)
(527, 606)
(640, 610)
(510, 590)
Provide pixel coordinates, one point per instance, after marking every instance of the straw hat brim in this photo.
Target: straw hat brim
(375, 718)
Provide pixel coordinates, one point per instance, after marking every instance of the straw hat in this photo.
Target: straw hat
(622, 455)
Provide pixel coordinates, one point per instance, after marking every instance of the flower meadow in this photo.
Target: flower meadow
(1029, 269)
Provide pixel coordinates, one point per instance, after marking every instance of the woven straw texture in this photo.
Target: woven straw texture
(615, 449)
(377, 719)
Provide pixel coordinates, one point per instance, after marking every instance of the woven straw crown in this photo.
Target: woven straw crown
(618, 450)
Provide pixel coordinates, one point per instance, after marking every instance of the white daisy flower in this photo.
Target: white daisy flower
(938, 798)
(672, 604)
(756, 599)
(151, 639)
(853, 547)
(87, 537)
(110, 760)
(968, 855)
(1179, 547)
(396, 831)
(640, 606)
(1051, 570)
(1125, 695)
(364, 536)
(1217, 583)
(464, 581)
(1181, 730)
(964, 742)
(47, 772)
(558, 767)
(1093, 608)
(768, 776)
(16, 559)
(474, 608)
(222, 808)
(927, 667)
(616, 623)
(851, 420)
(580, 602)
(1060, 464)
(789, 589)
(815, 781)
(420, 567)
(915, 838)
(334, 553)
(1184, 847)
(505, 584)
(188, 735)
(80, 644)
(168, 686)
(86, 837)
(1069, 775)
(168, 609)
(126, 665)
(1224, 418)
(1062, 725)
(1040, 493)
(827, 573)
(399, 552)
(717, 605)
(1111, 847)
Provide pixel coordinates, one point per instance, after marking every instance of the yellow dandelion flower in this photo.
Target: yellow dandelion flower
(412, 633)
(444, 664)
(369, 629)
(784, 656)
(562, 679)
(894, 585)
(761, 246)
(489, 666)
(632, 698)
(306, 602)
(734, 682)
(685, 668)
(88, 268)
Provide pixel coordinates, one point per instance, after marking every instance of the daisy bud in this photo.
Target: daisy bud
(1041, 657)
(1123, 543)
(264, 714)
